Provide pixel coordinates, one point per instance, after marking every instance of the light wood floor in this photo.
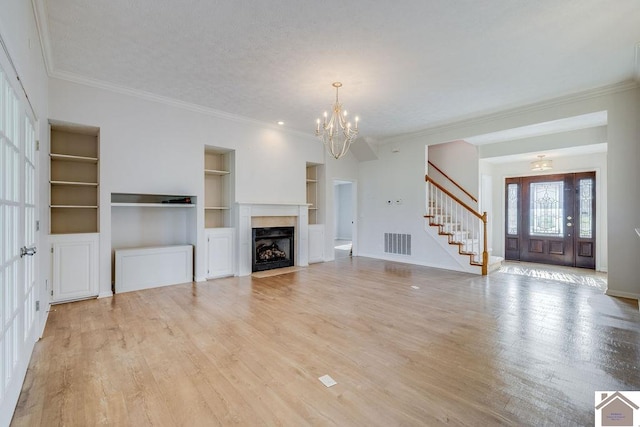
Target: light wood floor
(461, 349)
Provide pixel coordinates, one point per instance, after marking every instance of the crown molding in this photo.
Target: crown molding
(476, 119)
(124, 90)
(40, 15)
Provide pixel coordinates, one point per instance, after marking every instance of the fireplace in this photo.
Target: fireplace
(272, 248)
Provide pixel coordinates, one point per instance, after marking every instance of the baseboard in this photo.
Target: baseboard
(105, 294)
(199, 279)
(412, 262)
(621, 294)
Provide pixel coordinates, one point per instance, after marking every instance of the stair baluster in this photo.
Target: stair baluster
(463, 225)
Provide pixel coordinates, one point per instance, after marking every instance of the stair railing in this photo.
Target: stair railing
(451, 180)
(463, 224)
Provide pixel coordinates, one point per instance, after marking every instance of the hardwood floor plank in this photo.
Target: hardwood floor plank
(460, 349)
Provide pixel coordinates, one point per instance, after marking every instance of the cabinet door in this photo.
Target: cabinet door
(316, 243)
(75, 268)
(220, 253)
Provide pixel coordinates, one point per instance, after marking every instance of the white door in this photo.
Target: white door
(74, 265)
(17, 239)
(220, 252)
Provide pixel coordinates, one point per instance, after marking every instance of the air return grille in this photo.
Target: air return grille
(395, 243)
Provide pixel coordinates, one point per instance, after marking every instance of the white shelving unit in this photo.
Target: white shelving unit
(217, 187)
(74, 180)
(74, 211)
(218, 196)
(312, 192)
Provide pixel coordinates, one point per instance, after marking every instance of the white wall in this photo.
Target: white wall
(398, 174)
(156, 148)
(448, 157)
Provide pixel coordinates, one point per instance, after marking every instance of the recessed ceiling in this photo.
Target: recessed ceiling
(404, 66)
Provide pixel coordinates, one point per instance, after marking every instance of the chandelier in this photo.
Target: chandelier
(541, 164)
(337, 134)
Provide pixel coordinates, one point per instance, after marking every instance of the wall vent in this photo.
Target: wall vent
(395, 243)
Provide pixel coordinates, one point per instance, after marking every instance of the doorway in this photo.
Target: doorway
(550, 219)
(343, 233)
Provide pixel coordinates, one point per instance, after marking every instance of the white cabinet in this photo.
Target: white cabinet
(220, 250)
(316, 243)
(74, 263)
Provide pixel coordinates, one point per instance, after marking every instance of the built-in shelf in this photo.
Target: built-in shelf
(72, 158)
(74, 179)
(218, 184)
(129, 200)
(81, 184)
(215, 172)
(72, 207)
(153, 205)
(312, 192)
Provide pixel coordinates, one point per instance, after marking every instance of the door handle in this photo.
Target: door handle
(27, 251)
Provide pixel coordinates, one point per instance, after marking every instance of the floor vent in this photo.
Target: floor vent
(395, 243)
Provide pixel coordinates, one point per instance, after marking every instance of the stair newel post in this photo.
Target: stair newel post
(485, 253)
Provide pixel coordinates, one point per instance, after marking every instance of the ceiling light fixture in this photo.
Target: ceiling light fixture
(281, 123)
(541, 164)
(336, 133)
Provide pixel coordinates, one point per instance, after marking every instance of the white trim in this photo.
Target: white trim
(42, 24)
(621, 294)
(105, 294)
(480, 118)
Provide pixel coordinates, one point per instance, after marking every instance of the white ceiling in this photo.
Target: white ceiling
(405, 66)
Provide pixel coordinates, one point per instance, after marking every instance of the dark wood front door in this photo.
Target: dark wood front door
(550, 219)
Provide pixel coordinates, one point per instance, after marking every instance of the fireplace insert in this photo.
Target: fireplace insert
(272, 248)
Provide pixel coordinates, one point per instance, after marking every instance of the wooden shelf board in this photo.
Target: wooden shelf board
(69, 157)
(72, 207)
(311, 180)
(153, 205)
(217, 208)
(85, 184)
(215, 172)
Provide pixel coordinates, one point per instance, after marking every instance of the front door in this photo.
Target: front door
(550, 219)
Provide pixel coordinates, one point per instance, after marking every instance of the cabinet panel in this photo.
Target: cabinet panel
(316, 243)
(75, 267)
(220, 254)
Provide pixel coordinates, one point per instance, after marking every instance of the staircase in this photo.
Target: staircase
(462, 225)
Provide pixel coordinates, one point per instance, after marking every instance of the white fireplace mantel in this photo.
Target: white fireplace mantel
(248, 210)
